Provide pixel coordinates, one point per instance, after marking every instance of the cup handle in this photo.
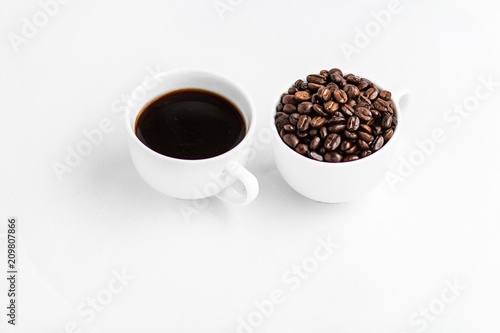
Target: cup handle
(249, 181)
(402, 96)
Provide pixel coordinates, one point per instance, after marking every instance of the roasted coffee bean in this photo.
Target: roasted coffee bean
(330, 106)
(333, 156)
(279, 114)
(386, 121)
(364, 99)
(365, 128)
(315, 142)
(315, 99)
(324, 93)
(292, 90)
(377, 130)
(332, 87)
(375, 113)
(351, 150)
(363, 113)
(314, 86)
(302, 148)
(347, 110)
(361, 103)
(372, 93)
(385, 95)
(323, 132)
(298, 84)
(365, 136)
(394, 121)
(370, 122)
(362, 145)
(335, 71)
(340, 96)
(289, 108)
(303, 123)
(294, 118)
(332, 141)
(388, 134)
(352, 79)
(365, 153)
(279, 107)
(353, 123)
(318, 121)
(337, 128)
(381, 105)
(351, 103)
(282, 133)
(291, 140)
(289, 128)
(302, 96)
(392, 106)
(305, 108)
(282, 121)
(313, 132)
(349, 158)
(288, 99)
(318, 109)
(336, 120)
(350, 135)
(302, 134)
(336, 78)
(316, 78)
(322, 150)
(363, 84)
(378, 143)
(346, 145)
(324, 72)
(315, 156)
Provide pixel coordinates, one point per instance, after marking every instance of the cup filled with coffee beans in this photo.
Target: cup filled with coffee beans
(335, 135)
(190, 136)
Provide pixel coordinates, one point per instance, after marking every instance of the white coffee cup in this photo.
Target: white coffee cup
(336, 182)
(194, 179)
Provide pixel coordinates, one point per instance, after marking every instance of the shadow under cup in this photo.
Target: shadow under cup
(336, 182)
(183, 178)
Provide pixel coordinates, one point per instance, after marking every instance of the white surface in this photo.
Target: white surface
(397, 248)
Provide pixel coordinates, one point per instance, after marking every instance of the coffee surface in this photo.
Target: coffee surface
(190, 124)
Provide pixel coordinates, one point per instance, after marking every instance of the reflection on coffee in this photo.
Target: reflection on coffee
(190, 124)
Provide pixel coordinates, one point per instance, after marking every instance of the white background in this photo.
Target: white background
(398, 246)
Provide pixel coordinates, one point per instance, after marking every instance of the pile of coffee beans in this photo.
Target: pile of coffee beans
(334, 117)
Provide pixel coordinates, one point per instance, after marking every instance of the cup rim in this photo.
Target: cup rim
(366, 159)
(250, 125)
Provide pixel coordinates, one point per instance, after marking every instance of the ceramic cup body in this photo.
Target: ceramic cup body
(335, 182)
(193, 179)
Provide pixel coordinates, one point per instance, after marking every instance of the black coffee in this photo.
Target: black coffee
(190, 124)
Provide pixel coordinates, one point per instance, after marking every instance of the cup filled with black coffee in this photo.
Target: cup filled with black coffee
(335, 135)
(190, 136)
